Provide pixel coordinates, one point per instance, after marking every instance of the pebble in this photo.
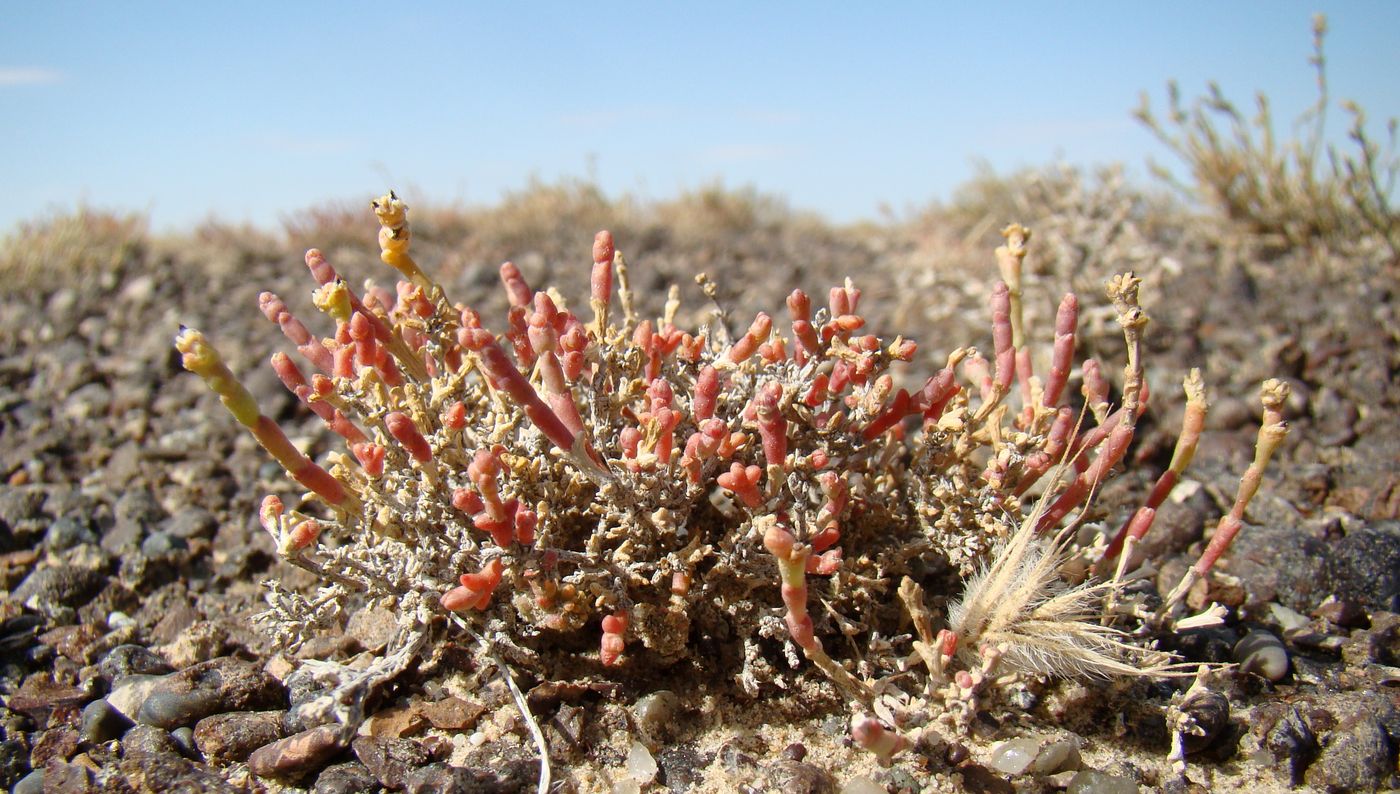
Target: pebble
(184, 739)
(1355, 757)
(101, 722)
(297, 754)
(795, 751)
(1292, 740)
(1014, 757)
(126, 660)
(163, 545)
(1346, 614)
(1056, 756)
(798, 778)
(58, 743)
(655, 713)
(1262, 653)
(452, 713)
(191, 522)
(389, 760)
(65, 533)
(21, 509)
(682, 768)
(348, 778)
(440, 778)
(1090, 781)
(32, 783)
(372, 628)
(169, 772)
(640, 765)
(860, 784)
(148, 740)
(56, 590)
(170, 709)
(199, 642)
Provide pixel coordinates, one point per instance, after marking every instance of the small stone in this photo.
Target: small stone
(655, 713)
(102, 723)
(148, 740)
(298, 754)
(191, 522)
(389, 760)
(58, 743)
(439, 778)
(39, 695)
(1091, 781)
(1015, 756)
(452, 713)
(1056, 756)
(1292, 740)
(398, 722)
(65, 533)
(1287, 619)
(160, 773)
(163, 545)
(232, 737)
(184, 739)
(735, 759)
(860, 784)
(125, 660)
(348, 778)
(1346, 614)
(56, 590)
(682, 768)
(795, 751)
(200, 642)
(640, 765)
(223, 684)
(1262, 653)
(1355, 757)
(373, 628)
(799, 778)
(170, 709)
(32, 783)
(68, 778)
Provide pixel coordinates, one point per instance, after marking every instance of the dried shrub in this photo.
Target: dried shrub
(1294, 188)
(608, 476)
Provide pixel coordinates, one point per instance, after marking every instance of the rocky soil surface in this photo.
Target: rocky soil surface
(131, 561)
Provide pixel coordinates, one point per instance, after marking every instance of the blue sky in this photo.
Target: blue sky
(248, 111)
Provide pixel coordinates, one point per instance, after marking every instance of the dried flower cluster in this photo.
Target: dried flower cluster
(612, 475)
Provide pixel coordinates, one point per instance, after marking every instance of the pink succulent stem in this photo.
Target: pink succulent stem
(517, 291)
(402, 428)
(1001, 337)
(309, 346)
(1062, 356)
(772, 426)
(504, 377)
(748, 344)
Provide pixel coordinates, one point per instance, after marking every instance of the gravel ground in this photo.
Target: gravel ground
(131, 559)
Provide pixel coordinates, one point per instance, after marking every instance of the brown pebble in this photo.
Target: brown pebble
(452, 713)
(956, 753)
(296, 754)
(795, 751)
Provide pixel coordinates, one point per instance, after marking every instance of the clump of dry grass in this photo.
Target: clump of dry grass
(1298, 189)
(69, 247)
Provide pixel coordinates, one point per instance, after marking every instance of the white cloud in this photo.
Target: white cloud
(28, 75)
